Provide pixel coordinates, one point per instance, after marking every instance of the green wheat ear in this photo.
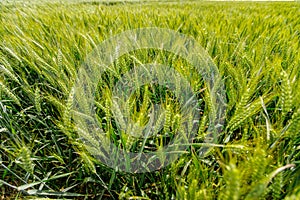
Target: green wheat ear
(285, 94)
(25, 158)
(10, 74)
(251, 109)
(277, 186)
(168, 116)
(10, 94)
(37, 100)
(232, 178)
(87, 161)
(294, 125)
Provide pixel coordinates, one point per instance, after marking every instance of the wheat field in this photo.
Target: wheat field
(255, 47)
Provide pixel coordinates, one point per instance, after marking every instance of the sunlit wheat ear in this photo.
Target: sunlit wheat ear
(10, 94)
(209, 103)
(144, 108)
(232, 178)
(202, 127)
(61, 69)
(107, 110)
(55, 101)
(25, 159)
(59, 60)
(87, 161)
(118, 114)
(251, 108)
(88, 139)
(194, 190)
(176, 123)
(248, 91)
(168, 115)
(243, 101)
(259, 164)
(285, 94)
(260, 188)
(127, 139)
(294, 125)
(10, 74)
(232, 94)
(159, 123)
(68, 108)
(277, 186)
(12, 53)
(37, 99)
(53, 72)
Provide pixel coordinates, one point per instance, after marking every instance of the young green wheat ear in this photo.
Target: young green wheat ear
(286, 94)
(9, 73)
(25, 158)
(168, 115)
(37, 100)
(10, 94)
(294, 125)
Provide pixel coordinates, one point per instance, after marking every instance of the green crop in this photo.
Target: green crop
(256, 49)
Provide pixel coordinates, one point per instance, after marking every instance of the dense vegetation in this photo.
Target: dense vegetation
(256, 49)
